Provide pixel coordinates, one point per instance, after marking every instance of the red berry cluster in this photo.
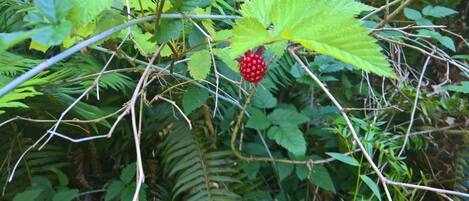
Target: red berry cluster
(252, 66)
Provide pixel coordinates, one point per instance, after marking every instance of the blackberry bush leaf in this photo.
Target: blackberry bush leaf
(199, 65)
(248, 34)
(283, 116)
(341, 36)
(286, 13)
(289, 137)
(258, 9)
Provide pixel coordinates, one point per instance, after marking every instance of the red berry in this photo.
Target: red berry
(252, 66)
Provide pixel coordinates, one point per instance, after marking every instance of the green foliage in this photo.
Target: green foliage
(193, 99)
(289, 137)
(290, 117)
(192, 165)
(42, 189)
(294, 21)
(125, 187)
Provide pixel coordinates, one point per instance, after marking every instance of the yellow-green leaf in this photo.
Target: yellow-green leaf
(286, 13)
(259, 9)
(199, 64)
(343, 37)
(84, 11)
(248, 34)
(225, 57)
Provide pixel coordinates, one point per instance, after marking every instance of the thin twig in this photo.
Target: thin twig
(414, 108)
(393, 14)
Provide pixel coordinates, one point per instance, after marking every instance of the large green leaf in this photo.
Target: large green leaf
(325, 26)
(258, 9)
(289, 137)
(286, 13)
(343, 37)
(248, 34)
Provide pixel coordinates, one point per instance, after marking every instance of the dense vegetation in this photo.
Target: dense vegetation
(143, 100)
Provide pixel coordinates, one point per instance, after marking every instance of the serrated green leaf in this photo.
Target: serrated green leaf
(341, 36)
(289, 137)
(344, 158)
(264, 99)
(287, 116)
(351, 7)
(412, 14)
(372, 185)
(194, 98)
(258, 120)
(84, 11)
(169, 30)
(200, 64)
(65, 195)
(248, 34)
(286, 13)
(142, 42)
(258, 9)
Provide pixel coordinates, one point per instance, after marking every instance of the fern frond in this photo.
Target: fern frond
(12, 64)
(200, 173)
